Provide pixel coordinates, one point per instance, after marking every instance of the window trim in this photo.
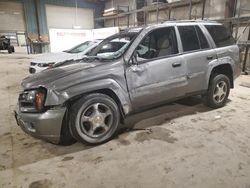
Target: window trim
(162, 57)
(199, 37)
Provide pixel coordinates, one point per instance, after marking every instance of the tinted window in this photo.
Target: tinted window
(189, 38)
(202, 38)
(220, 35)
(159, 43)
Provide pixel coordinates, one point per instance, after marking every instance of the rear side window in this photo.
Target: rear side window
(220, 35)
(190, 41)
(203, 41)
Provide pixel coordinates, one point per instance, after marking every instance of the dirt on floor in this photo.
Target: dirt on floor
(182, 144)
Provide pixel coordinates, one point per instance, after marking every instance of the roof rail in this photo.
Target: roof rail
(186, 21)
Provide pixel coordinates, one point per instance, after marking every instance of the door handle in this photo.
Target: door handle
(176, 64)
(210, 57)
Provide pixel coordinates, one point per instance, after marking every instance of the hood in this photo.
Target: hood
(54, 57)
(49, 76)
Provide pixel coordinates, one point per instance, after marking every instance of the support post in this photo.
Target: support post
(203, 9)
(190, 10)
(157, 16)
(246, 54)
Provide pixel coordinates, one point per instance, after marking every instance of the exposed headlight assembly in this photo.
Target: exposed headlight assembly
(32, 100)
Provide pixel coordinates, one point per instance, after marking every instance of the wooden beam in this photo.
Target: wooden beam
(152, 8)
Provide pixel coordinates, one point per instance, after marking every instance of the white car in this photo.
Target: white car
(45, 61)
(109, 49)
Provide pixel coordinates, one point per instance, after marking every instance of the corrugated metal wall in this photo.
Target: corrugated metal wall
(12, 16)
(30, 12)
(67, 20)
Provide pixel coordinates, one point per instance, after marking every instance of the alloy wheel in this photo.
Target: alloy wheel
(96, 120)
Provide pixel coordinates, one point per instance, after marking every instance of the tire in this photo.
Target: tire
(94, 119)
(12, 49)
(218, 91)
(66, 137)
(9, 50)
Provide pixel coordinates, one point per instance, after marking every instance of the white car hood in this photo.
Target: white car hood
(55, 57)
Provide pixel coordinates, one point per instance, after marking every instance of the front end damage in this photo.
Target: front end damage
(36, 118)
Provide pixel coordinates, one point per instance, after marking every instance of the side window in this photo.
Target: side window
(190, 41)
(159, 43)
(202, 39)
(220, 35)
(112, 47)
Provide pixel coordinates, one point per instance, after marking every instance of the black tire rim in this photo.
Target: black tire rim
(220, 92)
(96, 120)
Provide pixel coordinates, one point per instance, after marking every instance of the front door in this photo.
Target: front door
(158, 73)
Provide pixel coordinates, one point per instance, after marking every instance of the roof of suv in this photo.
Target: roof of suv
(171, 23)
(191, 22)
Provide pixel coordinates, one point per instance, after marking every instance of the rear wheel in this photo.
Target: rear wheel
(9, 50)
(218, 91)
(94, 118)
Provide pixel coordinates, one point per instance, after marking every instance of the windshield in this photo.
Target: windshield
(114, 46)
(81, 47)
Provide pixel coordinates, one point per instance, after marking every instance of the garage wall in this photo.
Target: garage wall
(41, 28)
(12, 16)
(65, 17)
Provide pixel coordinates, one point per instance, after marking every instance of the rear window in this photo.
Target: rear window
(220, 35)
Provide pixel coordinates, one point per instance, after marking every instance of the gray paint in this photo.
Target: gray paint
(137, 85)
(38, 125)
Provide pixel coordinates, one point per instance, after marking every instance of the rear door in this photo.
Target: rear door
(159, 73)
(226, 49)
(197, 53)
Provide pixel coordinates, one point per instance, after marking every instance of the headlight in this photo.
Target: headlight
(32, 100)
(45, 64)
(42, 65)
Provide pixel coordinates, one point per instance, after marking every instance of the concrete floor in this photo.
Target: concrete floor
(184, 144)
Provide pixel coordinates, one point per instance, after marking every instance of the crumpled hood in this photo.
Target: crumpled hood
(54, 57)
(47, 77)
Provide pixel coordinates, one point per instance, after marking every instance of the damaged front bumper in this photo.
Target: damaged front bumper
(46, 126)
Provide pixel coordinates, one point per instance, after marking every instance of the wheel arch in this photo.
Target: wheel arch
(106, 91)
(225, 69)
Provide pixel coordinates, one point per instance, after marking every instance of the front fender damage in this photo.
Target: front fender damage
(57, 97)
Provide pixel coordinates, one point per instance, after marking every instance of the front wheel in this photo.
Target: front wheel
(12, 49)
(218, 91)
(94, 118)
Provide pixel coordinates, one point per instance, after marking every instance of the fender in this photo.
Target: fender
(217, 62)
(55, 97)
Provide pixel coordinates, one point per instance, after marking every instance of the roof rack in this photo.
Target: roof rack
(186, 21)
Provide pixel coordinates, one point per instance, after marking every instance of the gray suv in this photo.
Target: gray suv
(89, 100)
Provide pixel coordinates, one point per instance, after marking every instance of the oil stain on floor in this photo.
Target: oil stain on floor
(157, 133)
(41, 184)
